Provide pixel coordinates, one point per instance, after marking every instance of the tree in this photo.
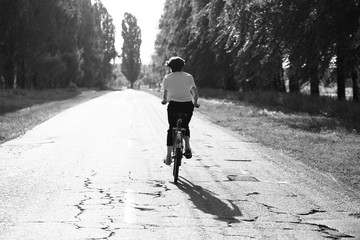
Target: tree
(131, 62)
(244, 43)
(345, 24)
(87, 39)
(47, 44)
(104, 44)
(211, 66)
(108, 44)
(12, 17)
(356, 67)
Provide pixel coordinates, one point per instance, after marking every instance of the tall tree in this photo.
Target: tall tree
(345, 24)
(131, 62)
(87, 39)
(108, 44)
(104, 44)
(236, 43)
(12, 15)
(211, 67)
(355, 74)
(50, 43)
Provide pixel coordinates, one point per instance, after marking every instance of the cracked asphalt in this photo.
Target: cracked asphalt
(96, 171)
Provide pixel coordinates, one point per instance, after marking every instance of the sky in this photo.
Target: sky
(147, 13)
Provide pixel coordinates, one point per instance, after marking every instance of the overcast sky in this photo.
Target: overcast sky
(147, 13)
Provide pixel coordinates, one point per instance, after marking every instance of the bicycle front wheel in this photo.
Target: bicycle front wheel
(177, 163)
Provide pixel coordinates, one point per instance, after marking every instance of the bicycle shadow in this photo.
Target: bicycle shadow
(207, 202)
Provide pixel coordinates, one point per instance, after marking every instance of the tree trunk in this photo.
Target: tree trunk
(277, 76)
(21, 75)
(356, 84)
(314, 79)
(9, 75)
(314, 85)
(294, 86)
(230, 83)
(279, 79)
(2, 82)
(340, 71)
(34, 84)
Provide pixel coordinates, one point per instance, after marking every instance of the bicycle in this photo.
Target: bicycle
(178, 144)
(178, 141)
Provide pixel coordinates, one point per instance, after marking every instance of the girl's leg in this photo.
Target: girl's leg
(189, 111)
(169, 138)
(172, 122)
(187, 142)
(169, 149)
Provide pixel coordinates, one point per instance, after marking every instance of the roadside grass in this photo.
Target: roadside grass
(345, 113)
(320, 132)
(21, 110)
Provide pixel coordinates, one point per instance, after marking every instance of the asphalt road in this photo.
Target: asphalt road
(96, 171)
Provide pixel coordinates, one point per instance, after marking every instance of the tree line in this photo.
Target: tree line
(258, 44)
(52, 43)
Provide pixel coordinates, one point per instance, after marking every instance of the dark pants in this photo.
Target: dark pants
(178, 107)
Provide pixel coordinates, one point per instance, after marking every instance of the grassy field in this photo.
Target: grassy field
(320, 132)
(22, 110)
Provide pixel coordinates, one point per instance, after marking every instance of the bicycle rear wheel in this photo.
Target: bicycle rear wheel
(177, 163)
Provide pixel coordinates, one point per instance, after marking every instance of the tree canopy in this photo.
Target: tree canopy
(251, 44)
(50, 43)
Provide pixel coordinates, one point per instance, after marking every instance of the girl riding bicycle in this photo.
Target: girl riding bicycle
(180, 91)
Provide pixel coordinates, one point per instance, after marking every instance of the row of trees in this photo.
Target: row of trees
(50, 43)
(253, 44)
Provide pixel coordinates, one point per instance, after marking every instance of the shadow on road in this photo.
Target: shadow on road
(207, 202)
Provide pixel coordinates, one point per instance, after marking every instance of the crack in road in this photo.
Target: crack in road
(355, 215)
(312, 212)
(109, 232)
(329, 232)
(107, 224)
(323, 229)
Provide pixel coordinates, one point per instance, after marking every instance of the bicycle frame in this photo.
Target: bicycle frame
(178, 133)
(178, 146)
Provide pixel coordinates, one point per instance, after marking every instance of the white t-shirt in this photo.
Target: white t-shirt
(178, 85)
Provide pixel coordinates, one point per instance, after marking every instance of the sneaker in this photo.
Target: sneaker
(167, 160)
(188, 153)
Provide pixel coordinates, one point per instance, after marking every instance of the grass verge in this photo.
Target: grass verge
(320, 132)
(21, 110)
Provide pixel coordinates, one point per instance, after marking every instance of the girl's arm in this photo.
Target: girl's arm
(195, 94)
(164, 101)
